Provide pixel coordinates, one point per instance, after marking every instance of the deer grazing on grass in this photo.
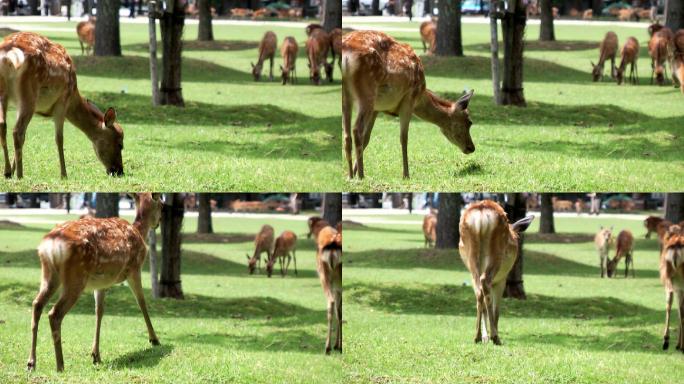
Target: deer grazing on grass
(92, 254)
(607, 51)
(289, 50)
(602, 241)
(428, 33)
(329, 266)
(624, 246)
(336, 51)
(678, 59)
(430, 229)
(629, 55)
(263, 242)
(672, 276)
(659, 50)
(317, 46)
(489, 248)
(267, 50)
(39, 77)
(285, 247)
(86, 35)
(380, 74)
(651, 224)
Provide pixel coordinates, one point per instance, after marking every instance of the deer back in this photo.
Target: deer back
(263, 242)
(285, 243)
(623, 244)
(672, 262)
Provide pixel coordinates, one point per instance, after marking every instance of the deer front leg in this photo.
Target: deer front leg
(668, 307)
(294, 257)
(3, 131)
(330, 318)
(48, 287)
(99, 311)
(270, 71)
(496, 304)
(70, 294)
(404, 120)
(59, 140)
(136, 287)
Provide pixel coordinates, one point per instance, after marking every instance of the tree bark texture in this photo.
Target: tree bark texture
(171, 225)
(448, 217)
(516, 210)
(107, 37)
(513, 26)
(449, 29)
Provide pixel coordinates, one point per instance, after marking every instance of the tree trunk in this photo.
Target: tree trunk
(546, 224)
(516, 210)
(674, 207)
(205, 31)
(171, 224)
(546, 32)
(513, 26)
(204, 218)
(449, 29)
(332, 208)
(172, 23)
(107, 205)
(154, 263)
(107, 38)
(375, 8)
(331, 14)
(154, 74)
(447, 220)
(674, 14)
(494, 46)
(596, 7)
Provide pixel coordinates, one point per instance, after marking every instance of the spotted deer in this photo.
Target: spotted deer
(267, 50)
(380, 74)
(678, 59)
(317, 46)
(602, 241)
(629, 55)
(659, 50)
(607, 51)
(430, 229)
(336, 51)
(263, 242)
(285, 247)
(672, 277)
(329, 266)
(92, 254)
(624, 247)
(489, 248)
(39, 77)
(428, 33)
(288, 50)
(651, 224)
(86, 35)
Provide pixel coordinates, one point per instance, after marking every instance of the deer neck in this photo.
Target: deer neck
(81, 115)
(141, 225)
(431, 108)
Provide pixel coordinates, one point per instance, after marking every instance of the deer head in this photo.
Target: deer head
(457, 131)
(108, 144)
(148, 207)
(256, 70)
(596, 71)
(251, 264)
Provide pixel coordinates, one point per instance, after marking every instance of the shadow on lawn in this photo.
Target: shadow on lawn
(196, 45)
(278, 341)
(144, 357)
(635, 340)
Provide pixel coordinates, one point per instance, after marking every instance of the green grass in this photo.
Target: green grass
(413, 310)
(231, 327)
(573, 135)
(233, 135)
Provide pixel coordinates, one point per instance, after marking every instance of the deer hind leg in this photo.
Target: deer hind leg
(99, 311)
(346, 128)
(668, 307)
(680, 343)
(4, 99)
(136, 287)
(270, 72)
(48, 286)
(405, 112)
(331, 309)
(494, 316)
(479, 298)
(367, 130)
(70, 294)
(338, 313)
(294, 258)
(26, 107)
(365, 115)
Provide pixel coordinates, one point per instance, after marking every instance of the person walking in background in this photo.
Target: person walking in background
(595, 203)
(408, 9)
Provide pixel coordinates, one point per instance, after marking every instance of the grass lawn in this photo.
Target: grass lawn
(231, 327)
(233, 135)
(413, 310)
(573, 135)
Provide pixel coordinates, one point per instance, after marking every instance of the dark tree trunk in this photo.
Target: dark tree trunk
(171, 224)
(516, 210)
(449, 29)
(154, 263)
(107, 205)
(674, 207)
(205, 31)
(546, 29)
(447, 220)
(172, 23)
(546, 220)
(513, 26)
(204, 218)
(596, 7)
(107, 38)
(494, 49)
(332, 208)
(674, 14)
(375, 7)
(88, 7)
(331, 14)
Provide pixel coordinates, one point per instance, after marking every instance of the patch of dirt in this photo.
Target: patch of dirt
(225, 238)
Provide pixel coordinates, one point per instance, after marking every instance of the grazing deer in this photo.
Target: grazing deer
(561, 205)
(289, 50)
(602, 241)
(329, 266)
(311, 27)
(624, 246)
(428, 33)
(672, 276)
(629, 55)
(311, 222)
(653, 28)
(86, 35)
(381, 75)
(317, 227)
(95, 254)
(607, 50)
(489, 248)
(267, 50)
(678, 59)
(430, 229)
(317, 46)
(39, 77)
(336, 50)
(285, 245)
(263, 242)
(651, 224)
(659, 50)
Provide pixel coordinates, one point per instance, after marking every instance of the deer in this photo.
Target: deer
(672, 277)
(86, 35)
(607, 50)
(428, 33)
(317, 227)
(659, 50)
(311, 222)
(561, 205)
(678, 59)
(624, 246)
(39, 77)
(336, 51)
(285, 245)
(602, 241)
(288, 50)
(263, 242)
(311, 27)
(489, 248)
(651, 224)
(267, 50)
(380, 74)
(653, 28)
(317, 46)
(430, 229)
(629, 55)
(329, 267)
(93, 254)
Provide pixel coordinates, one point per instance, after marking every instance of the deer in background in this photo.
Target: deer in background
(672, 276)
(289, 50)
(651, 224)
(678, 60)
(430, 229)
(317, 46)
(489, 248)
(311, 222)
(381, 75)
(39, 77)
(285, 247)
(659, 49)
(629, 55)
(607, 50)
(624, 247)
(602, 241)
(86, 35)
(267, 50)
(95, 254)
(263, 242)
(428, 33)
(336, 50)
(329, 266)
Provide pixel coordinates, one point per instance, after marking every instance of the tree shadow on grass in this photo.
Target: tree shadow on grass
(633, 340)
(143, 358)
(536, 45)
(216, 238)
(277, 341)
(196, 45)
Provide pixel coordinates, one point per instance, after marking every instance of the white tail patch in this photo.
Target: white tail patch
(331, 257)
(14, 56)
(483, 222)
(675, 258)
(53, 250)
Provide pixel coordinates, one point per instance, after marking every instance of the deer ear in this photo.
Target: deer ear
(522, 224)
(464, 100)
(110, 117)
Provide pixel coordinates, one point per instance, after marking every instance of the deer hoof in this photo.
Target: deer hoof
(8, 175)
(496, 340)
(478, 339)
(327, 350)
(155, 342)
(96, 358)
(31, 366)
